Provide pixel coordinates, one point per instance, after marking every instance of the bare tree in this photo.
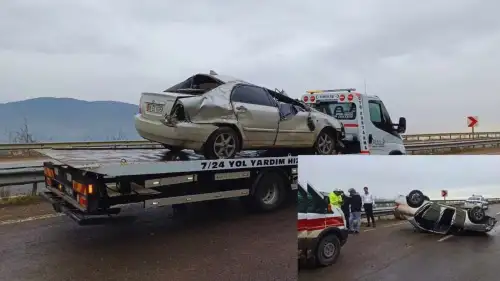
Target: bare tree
(23, 135)
(120, 135)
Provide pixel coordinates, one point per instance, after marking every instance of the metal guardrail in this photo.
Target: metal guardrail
(34, 174)
(422, 147)
(148, 144)
(452, 136)
(431, 148)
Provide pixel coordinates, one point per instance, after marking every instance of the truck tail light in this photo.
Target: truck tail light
(83, 189)
(82, 200)
(48, 172)
(49, 175)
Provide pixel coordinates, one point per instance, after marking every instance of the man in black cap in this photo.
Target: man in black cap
(346, 208)
(356, 204)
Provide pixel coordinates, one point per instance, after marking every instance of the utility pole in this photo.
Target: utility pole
(364, 80)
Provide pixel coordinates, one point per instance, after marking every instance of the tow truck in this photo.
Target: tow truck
(321, 228)
(93, 187)
(368, 125)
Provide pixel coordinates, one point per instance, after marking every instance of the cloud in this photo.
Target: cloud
(389, 176)
(432, 63)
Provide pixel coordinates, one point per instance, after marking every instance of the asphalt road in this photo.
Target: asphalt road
(393, 251)
(216, 242)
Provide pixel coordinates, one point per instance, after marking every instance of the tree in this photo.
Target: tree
(23, 135)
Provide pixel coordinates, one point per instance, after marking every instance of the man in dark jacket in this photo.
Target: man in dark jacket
(346, 208)
(356, 204)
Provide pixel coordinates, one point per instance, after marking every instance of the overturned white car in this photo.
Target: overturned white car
(439, 218)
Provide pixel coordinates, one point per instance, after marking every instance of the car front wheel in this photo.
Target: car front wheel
(328, 250)
(325, 143)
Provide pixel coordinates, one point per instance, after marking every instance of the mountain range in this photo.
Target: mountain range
(65, 119)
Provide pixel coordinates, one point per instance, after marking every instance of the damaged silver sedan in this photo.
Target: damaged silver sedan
(439, 218)
(219, 116)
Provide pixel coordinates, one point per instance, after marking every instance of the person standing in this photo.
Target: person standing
(336, 198)
(356, 204)
(345, 208)
(368, 202)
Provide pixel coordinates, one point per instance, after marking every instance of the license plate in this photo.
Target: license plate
(154, 108)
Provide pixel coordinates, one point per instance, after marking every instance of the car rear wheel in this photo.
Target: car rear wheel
(224, 143)
(477, 214)
(415, 198)
(325, 143)
(328, 250)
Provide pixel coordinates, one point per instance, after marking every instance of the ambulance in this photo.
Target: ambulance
(368, 126)
(321, 228)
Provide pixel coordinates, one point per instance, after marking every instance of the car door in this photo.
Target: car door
(293, 130)
(257, 115)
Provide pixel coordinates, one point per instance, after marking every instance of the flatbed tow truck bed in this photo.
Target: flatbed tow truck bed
(88, 185)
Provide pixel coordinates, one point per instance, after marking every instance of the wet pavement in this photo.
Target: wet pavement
(213, 242)
(393, 251)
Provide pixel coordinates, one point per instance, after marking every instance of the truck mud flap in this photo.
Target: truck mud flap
(60, 206)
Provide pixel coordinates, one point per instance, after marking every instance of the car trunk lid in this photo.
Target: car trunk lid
(155, 106)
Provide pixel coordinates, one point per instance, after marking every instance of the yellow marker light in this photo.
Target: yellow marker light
(315, 91)
(91, 188)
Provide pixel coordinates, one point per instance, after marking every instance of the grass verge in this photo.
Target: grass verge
(20, 200)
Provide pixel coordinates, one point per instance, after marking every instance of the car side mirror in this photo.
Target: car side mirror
(401, 125)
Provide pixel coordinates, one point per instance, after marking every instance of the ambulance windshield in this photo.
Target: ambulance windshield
(340, 111)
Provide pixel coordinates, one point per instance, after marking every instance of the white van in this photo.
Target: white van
(368, 126)
(321, 228)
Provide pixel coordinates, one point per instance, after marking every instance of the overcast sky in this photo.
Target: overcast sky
(434, 62)
(389, 176)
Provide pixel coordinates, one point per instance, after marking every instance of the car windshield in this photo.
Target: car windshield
(474, 199)
(340, 111)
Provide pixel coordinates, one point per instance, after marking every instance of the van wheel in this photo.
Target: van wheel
(328, 250)
(477, 214)
(415, 198)
(326, 143)
(224, 143)
(269, 193)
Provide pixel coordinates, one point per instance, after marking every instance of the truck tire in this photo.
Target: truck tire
(328, 250)
(268, 192)
(415, 198)
(477, 214)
